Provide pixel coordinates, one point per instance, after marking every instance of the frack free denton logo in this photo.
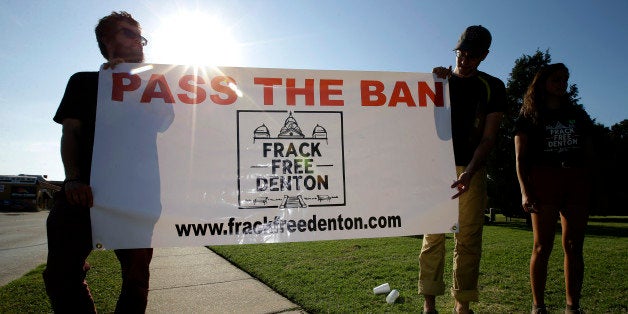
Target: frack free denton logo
(290, 159)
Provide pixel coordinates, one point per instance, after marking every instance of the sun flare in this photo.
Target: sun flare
(193, 38)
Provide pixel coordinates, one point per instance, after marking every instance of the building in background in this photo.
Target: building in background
(27, 192)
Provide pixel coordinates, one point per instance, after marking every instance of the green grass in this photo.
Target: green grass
(338, 276)
(28, 295)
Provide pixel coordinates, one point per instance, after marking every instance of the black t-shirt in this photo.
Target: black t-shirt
(558, 138)
(472, 99)
(79, 102)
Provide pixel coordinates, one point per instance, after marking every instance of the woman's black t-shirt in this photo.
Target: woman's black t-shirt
(557, 140)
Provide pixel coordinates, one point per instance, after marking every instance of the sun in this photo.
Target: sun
(193, 38)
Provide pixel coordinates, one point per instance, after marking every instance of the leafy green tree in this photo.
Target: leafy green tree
(619, 131)
(611, 147)
(503, 186)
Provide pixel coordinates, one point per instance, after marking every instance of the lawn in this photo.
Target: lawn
(28, 295)
(338, 276)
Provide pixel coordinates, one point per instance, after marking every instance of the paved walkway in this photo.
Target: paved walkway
(23, 243)
(196, 280)
(183, 280)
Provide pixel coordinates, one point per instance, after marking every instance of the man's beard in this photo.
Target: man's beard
(131, 56)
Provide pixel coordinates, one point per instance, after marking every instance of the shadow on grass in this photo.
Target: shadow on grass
(515, 224)
(607, 231)
(614, 219)
(595, 227)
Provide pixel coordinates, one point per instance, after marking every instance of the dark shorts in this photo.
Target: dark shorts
(562, 188)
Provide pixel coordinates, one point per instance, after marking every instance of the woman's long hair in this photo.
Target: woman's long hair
(536, 95)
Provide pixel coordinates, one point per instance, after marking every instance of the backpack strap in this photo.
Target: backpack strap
(480, 117)
(488, 88)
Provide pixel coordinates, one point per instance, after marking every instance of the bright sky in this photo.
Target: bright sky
(44, 42)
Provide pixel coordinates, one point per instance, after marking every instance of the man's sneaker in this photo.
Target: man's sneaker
(570, 310)
(538, 309)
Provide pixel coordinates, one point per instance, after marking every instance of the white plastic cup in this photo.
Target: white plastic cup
(392, 296)
(381, 289)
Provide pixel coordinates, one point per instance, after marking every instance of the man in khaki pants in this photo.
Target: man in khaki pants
(477, 106)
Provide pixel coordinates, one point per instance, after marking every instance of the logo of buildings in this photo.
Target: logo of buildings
(285, 163)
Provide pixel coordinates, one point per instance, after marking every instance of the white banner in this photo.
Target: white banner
(192, 156)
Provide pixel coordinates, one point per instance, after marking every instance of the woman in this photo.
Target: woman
(553, 149)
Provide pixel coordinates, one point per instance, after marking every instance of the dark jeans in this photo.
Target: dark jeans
(69, 244)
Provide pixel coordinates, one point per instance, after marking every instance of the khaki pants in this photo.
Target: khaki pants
(467, 247)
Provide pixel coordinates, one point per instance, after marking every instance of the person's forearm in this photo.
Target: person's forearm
(480, 155)
(521, 163)
(522, 176)
(489, 136)
(70, 152)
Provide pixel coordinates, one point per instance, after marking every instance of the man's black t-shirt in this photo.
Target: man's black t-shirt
(472, 99)
(79, 102)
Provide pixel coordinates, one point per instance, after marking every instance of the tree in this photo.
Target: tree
(503, 185)
(611, 148)
(610, 145)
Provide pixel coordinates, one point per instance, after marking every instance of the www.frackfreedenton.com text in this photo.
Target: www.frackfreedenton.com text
(235, 226)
